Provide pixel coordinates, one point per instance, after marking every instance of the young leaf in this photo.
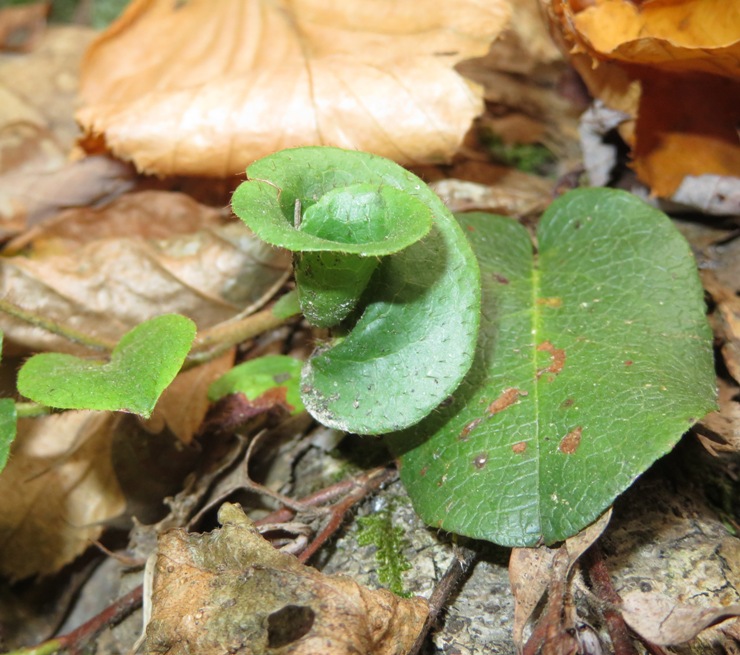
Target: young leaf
(414, 340)
(141, 367)
(7, 429)
(261, 375)
(594, 358)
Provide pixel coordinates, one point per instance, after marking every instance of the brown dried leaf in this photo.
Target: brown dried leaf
(231, 591)
(673, 67)
(663, 621)
(21, 27)
(56, 492)
(37, 130)
(105, 286)
(205, 88)
(184, 404)
(531, 572)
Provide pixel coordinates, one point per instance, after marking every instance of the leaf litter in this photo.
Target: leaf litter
(68, 491)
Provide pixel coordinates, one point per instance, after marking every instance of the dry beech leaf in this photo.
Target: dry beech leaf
(184, 404)
(665, 622)
(206, 88)
(56, 492)
(673, 67)
(231, 591)
(531, 572)
(107, 285)
(37, 130)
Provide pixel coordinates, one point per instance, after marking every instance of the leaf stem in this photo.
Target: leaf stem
(98, 343)
(32, 410)
(216, 340)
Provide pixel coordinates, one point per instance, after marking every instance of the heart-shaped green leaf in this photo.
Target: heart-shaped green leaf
(594, 358)
(264, 374)
(415, 338)
(141, 367)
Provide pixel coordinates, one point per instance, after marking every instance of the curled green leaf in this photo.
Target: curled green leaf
(418, 306)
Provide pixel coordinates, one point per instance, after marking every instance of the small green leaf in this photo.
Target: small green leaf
(141, 367)
(419, 314)
(255, 377)
(7, 429)
(594, 358)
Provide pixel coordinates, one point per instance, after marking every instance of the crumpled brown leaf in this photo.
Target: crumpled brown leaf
(205, 88)
(664, 622)
(99, 271)
(56, 492)
(231, 591)
(672, 66)
(531, 571)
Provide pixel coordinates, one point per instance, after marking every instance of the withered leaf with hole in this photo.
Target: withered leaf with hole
(204, 88)
(231, 591)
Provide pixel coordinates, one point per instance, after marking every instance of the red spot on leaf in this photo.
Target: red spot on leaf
(423, 471)
(628, 362)
(553, 302)
(519, 447)
(468, 428)
(507, 398)
(501, 279)
(568, 402)
(557, 355)
(570, 442)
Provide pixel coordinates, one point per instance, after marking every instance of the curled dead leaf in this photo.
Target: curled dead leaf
(672, 66)
(231, 591)
(206, 88)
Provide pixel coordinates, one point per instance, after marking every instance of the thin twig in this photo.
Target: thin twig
(447, 585)
(60, 329)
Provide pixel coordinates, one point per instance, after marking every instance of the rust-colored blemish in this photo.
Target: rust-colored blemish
(570, 442)
(558, 358)
(423, 471)
(507, 398)
(470, 228)
(519, 447)
(480, 460)
(468, 428)
(568, 402)
(501, 279)
(553, 302)
(628, 362)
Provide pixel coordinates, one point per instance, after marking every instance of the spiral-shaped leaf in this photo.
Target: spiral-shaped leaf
(419, 309)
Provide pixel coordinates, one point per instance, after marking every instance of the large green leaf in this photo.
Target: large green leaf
(141, 367)
(415, 338)
(594, 358)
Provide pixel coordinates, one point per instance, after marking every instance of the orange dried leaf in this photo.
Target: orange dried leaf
(206, 88)
(673, 67)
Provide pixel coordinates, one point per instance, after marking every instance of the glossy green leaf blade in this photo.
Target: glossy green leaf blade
(7, 429)
(592, 361)
(261, 375)
(141, 367)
